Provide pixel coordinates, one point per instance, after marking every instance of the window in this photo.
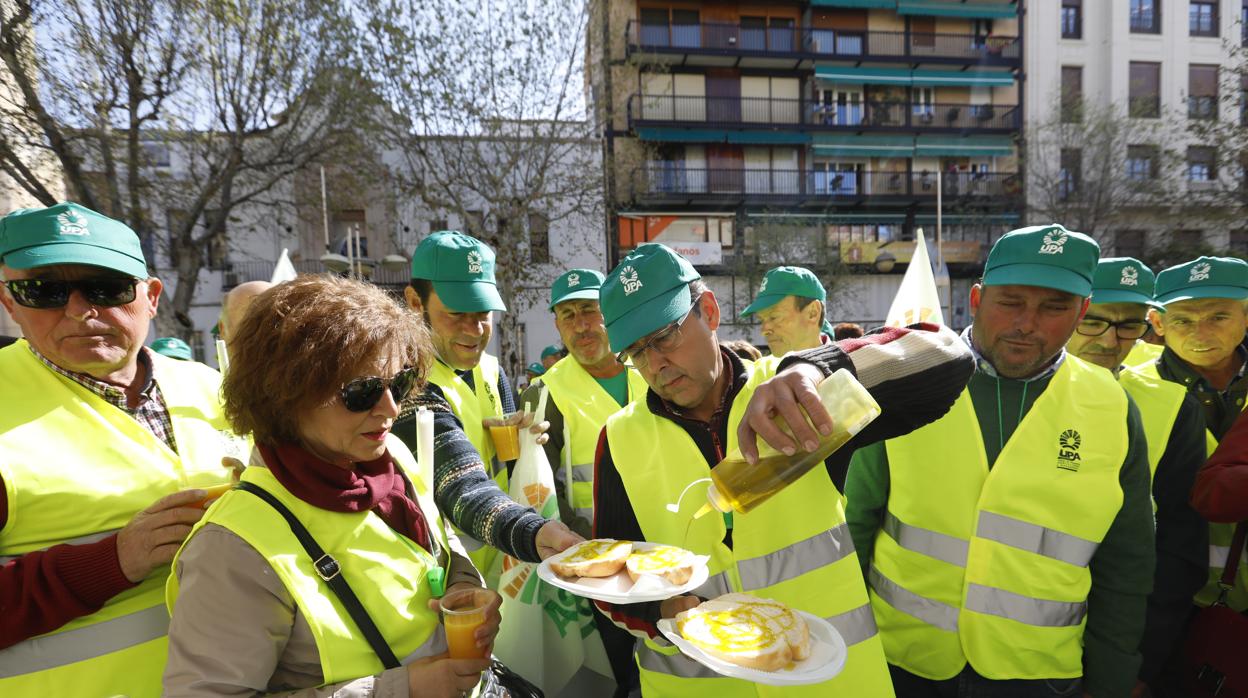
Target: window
(1239, 241)
(924, 99)
(1072, 19)
(157, 154)
(1072, 93)
(474, 222)
(1142, 162)
(1243, 23)
(1071, 171)
(539, 237)
(1202, 18)
(1146, 16)
(1202, 88)
(923, 32)
(1189, 239)
(438, 224)
(1129, 243)
(1144, 90)
(1201, 163)
(981, 29)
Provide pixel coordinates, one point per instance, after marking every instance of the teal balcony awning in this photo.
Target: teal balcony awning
(918, 78)
(858, 74)
(882, 4)
(974, 78)
(846, 146)
(768, 137)
(972, 146)
(945, 8)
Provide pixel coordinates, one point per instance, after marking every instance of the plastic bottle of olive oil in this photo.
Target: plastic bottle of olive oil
(736, 485)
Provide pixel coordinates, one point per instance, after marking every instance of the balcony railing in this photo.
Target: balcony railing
(713, 37)
(736, 111)
(671, 179)
(236, 273)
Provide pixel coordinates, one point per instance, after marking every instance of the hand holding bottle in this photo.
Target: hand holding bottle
(789, 395)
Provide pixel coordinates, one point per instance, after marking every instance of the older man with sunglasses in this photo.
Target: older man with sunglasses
(795, 548)
(1122, 294)
(105, 448)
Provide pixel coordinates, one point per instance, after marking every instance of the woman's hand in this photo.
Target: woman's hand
(443, 677)
(555, 537)
(523, 420)
(487, 631)
(677, 604)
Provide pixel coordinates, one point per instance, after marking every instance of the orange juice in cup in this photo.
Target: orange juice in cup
(463, 612)
(214, 492)
(506, 440)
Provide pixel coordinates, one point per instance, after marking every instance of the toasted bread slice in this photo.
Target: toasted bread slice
(747, 631)
(601, 557)
(672, 563)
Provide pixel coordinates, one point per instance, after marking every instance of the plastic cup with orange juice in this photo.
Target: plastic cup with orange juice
(507, 438)
(214, 492)
(463, 611)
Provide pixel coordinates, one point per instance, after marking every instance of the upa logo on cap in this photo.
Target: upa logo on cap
(628, 277)
(1130, 276)
(72, 223)
(474, 262)
(574, 279)
(1200, 272)
(1054, 241)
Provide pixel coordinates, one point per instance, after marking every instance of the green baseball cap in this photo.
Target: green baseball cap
(172, 347)
(1122, 280)
(785, 281)
(535, 368)
(461, 268)
(645, 292)
(1048, 256)
(1203, 277)
(575, 284)
(552, 350)
(69, 234)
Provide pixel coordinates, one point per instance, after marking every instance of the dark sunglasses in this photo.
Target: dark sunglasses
(108, 292)
(362, 394)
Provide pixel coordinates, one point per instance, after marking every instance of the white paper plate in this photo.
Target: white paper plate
(827, 656)
(618, 588)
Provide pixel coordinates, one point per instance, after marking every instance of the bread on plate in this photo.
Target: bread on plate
(672, 563)
(747, 631)
(601, 557)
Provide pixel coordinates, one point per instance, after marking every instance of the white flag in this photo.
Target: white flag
(283, 270)
(917, 299)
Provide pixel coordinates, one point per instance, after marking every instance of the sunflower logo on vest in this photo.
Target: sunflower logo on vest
(72, 223)
(1130, 277)
(574, 280)
(628, 277)
(1068, 450)
(474, 262)
(1200, 272)
(1054, 242)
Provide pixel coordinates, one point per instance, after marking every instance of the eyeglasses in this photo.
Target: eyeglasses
(1124, 329)
(362, 394)
(665, 340)
(45, 294)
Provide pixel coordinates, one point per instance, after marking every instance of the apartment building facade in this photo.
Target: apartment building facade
(819, 133)
(1171, 72)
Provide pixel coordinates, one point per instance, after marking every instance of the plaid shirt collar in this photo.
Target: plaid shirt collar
(110, 393)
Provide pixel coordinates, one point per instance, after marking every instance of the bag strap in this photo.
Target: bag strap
(1232, 559)
(330, 572)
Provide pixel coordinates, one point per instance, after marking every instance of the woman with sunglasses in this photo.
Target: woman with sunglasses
(317, 373)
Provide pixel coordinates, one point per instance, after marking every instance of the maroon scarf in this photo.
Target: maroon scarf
(375, 486)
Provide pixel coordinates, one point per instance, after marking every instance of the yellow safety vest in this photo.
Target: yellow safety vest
(471, 405)
(77, 469)
(585, 407)
(1143, 353)
(1220, 534)
(795, 548)
(386, 570)
(990, 566)
(1159, 402)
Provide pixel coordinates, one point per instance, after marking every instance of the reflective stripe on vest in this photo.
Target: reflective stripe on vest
(387, 571)
(108, 467)
(50, 651)
(990, 559)
(1219, 534)
(585, 406)
(794, 548)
